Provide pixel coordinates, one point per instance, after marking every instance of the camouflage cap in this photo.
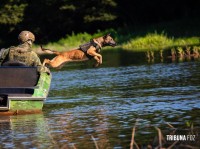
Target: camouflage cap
(25, 36)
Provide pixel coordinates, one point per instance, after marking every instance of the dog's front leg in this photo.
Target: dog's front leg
(100, 58)
(97, 56)
(98, 62)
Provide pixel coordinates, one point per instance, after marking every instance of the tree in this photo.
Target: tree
(51, 20)
(12, 11)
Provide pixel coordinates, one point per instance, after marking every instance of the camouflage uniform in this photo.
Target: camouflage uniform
(23, 53)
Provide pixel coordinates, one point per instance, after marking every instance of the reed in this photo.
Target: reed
(161, 142)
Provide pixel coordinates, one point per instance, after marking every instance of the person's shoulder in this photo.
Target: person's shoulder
(33, 53)
(12, 47)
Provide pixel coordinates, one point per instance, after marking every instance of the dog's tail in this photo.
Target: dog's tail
(49, 51)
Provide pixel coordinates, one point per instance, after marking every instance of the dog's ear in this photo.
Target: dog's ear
(106, 35)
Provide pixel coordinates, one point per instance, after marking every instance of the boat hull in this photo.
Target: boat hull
(26, 104)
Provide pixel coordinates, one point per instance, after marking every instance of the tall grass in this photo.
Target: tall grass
(155, 41)
(149, 42)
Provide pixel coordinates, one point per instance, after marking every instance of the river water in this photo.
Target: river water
(102, 105)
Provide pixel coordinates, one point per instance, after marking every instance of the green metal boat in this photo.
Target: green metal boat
(22, 90)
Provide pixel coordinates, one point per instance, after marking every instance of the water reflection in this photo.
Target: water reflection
(24, 131)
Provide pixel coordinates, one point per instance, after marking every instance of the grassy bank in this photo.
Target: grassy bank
(155, 42)
(143, 38)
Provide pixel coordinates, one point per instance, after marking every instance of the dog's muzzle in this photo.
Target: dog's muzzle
(113, 44)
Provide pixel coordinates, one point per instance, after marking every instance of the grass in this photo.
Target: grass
(139, 38)
(155, 42)
(151, 41)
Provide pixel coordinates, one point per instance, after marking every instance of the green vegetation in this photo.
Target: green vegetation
(155, 37)
(12, 13)
(69, 42)
(155, 42)
(149, 42)
(51, 20)
(74, 40)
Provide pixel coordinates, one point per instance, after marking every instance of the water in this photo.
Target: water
(103, 104)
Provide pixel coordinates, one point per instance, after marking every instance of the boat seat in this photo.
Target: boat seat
(18, 76)
(18, 79)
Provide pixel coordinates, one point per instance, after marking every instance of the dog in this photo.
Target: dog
(85, 52)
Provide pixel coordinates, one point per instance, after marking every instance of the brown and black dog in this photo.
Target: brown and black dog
(84, 52)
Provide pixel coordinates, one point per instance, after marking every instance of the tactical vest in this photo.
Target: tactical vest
(86, 46)
(18, 55)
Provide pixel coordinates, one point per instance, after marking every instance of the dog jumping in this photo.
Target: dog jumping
(85, 52)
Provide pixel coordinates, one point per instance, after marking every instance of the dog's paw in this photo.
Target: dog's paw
(96, 65)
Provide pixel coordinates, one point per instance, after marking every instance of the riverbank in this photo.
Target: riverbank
(156, 37)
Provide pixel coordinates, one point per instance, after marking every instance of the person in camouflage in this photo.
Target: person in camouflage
(23, 52)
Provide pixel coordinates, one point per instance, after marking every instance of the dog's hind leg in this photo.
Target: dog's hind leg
(56, 62)
(46, 61)
(52, 63)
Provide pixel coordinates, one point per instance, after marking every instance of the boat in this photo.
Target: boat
(22, 89)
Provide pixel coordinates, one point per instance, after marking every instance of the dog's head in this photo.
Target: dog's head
(109, 41)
